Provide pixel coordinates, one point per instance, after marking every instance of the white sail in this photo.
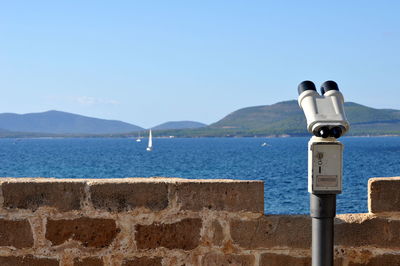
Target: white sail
(150, 146)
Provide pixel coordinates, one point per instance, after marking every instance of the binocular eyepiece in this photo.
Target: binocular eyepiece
(325, 87)
(324, 112)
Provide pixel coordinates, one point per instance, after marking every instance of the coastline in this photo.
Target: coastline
(184, 137)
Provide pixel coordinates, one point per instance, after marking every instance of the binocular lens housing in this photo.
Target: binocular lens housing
(325, 132)
(336, 132)
(324, 112)
(322, 132)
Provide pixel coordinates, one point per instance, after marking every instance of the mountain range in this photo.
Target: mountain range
(56, 122)
(179, 125)
(286, 118)
(280, 119)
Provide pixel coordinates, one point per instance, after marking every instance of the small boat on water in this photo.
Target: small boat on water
(264, 144)
(139, 139)
(150, 145)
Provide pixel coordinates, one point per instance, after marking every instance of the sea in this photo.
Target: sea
(280, 162)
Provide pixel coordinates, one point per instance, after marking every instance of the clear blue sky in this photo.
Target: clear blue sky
(147, 62)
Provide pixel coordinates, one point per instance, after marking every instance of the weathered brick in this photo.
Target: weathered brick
(383, 194)
(218, 234)
(272, 231)
(16, 233)
(221, 195)
(123, 196)
(217, 259)
(143, 261)
(381, 260)
(27, 260)
(340, 253)
(90, 232)
(32, 194)
(269, 259)
(356, 230)
(338, 262)
(180, 235)
(88, 262)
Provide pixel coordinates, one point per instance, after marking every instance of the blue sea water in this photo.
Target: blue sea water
(282, 165)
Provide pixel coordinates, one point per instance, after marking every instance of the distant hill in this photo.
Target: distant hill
(286, 118)
(56, 122)
(280, 119)
(179, 125)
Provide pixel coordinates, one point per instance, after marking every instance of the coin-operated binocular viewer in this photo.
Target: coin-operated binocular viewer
(327, 121)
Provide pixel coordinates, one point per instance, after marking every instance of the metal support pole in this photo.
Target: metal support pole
(323, 211)
(327, 121)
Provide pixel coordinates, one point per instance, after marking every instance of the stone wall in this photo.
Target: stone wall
(169, 221)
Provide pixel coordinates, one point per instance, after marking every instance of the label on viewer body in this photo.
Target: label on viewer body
(327, 181)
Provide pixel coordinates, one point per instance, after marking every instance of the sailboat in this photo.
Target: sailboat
(150, 146)
(138, 139)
